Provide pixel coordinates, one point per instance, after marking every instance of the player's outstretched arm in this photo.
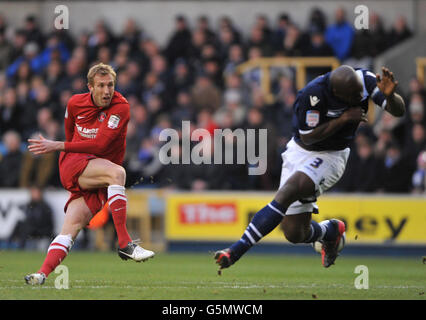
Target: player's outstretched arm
(387, 84)
(42, 145)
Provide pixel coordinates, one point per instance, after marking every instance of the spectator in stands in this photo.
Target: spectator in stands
(203, 24)
(397, 128)
(3, 85)
(29, 56)
(101, 37)
(226, 22)
(384, 138)
(361, 174)
(416, 109)
(4, 27)
(184, 110)
(64, 37)
(226, 40)
(6, 49)
(262, 23)
(155, 107)
(10, 116)
(368, 43)
(53, 50)
(22, 93)
(258, 39)
(213, 70)
(121, 57)
(24, 74)
(37, 170)
(235, 57)
(131, 34)
(54, 77)
(256, 120)
(151, 86)
(204, 94)
(395, 171)
(182, 78)
(180, 41)
(206, 176)
(415, 143)
(18, 43)
(400, 31)
(317, 20)
(233, 82)
(125, 85)
(293, 42)
(38, 223)
(419, 176)
(340, 35)
(280, 32)
(317, 47)
(232, 107)
(10, 163)
(32, 31)
(198, 40)
(205, 120)
(285, 99)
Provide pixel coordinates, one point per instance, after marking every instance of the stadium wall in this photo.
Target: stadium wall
(157, 17)
(197, 221)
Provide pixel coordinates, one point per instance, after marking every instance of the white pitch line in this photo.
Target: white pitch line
(236, 286)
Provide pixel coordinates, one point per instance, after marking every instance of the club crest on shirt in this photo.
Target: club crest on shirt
(113, 121)
(312, 118)
(102, 116)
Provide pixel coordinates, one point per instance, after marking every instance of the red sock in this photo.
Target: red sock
(118, 204)
(56, 253)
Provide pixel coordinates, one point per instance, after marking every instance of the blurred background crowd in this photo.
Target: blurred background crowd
(194, 77)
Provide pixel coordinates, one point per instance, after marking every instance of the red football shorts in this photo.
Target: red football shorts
(71, 166)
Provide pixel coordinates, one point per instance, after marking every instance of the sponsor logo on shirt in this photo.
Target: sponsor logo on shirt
(312, 118)
(86, 132)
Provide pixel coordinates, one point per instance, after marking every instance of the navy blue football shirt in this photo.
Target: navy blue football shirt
(315, 104)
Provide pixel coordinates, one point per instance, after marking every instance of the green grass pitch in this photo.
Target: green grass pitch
(94, 275)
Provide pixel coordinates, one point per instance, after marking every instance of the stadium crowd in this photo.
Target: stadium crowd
(194, 77)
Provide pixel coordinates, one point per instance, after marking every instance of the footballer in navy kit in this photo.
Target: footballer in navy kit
(326, 115)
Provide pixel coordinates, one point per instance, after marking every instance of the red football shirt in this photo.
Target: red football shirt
(94, 130)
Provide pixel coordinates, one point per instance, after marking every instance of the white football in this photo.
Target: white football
(318, 245)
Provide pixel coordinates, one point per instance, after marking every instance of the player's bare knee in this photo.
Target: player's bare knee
(294, 236)
(295, 232)
(117, 175)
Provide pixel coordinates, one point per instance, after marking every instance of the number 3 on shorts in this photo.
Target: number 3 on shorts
(316, 163)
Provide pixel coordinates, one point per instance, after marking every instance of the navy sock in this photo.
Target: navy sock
(317, 232)
(263, 222)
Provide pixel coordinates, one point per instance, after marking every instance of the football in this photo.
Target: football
(318, 245)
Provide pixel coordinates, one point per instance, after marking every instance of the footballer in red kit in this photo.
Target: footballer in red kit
(90, 167)
(91, 132)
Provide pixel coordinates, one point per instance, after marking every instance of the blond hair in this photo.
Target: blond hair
(102, 69)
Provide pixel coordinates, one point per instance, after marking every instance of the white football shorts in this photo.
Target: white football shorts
(324, 168)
